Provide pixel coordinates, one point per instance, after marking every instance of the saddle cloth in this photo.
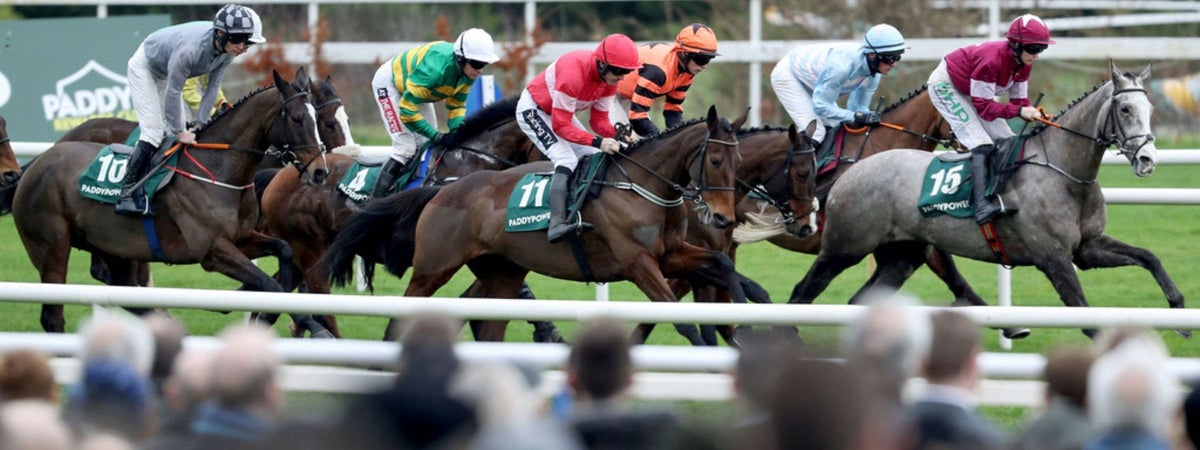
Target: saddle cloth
(529, 204)
(102, 179)
(360, 179)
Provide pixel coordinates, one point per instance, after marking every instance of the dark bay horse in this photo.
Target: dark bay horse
(1060, 225)
(638, 236)
(782, 162)
(308, 217)
(198, 217)
(10, 169)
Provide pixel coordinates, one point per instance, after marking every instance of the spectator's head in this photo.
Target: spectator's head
(600, 366)
(818, 405)
(245, 372)
(111, 397)
(119, 337)
(952, 351)
(1130, 387)
(32, 425)
(427, 349)
(1108, 340)
(1066, 374)
(168, 340)
(760, 359)
(500, 393)
(190, 382)
(26, 374)
(104, 441)
(888, 342)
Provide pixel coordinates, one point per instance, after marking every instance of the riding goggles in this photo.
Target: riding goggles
(240, 38)
(701, 59)
(889, 58)
(1034, 49)
(477, 65)
(619, 71)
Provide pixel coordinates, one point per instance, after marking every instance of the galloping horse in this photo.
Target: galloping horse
(638, 236)
(782, 162)
(308, 217)
(872, 208)
(10, 170)
(196, 223)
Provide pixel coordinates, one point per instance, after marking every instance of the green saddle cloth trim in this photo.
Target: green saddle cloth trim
(947, 190)
(528, 206)
(133, 136)
(359, 180)
(103, 177)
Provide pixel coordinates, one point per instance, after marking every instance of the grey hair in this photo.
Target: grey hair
(117, 336)
(892, 334)
(1131, 386)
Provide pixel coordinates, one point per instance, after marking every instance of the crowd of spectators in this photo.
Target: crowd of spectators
(905, 380)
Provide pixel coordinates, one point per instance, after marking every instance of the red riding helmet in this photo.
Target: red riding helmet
(1029, 29)
(617, 50)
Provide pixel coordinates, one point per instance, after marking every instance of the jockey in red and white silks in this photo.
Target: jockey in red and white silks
(576, 81)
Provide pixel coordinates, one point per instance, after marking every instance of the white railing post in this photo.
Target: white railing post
(756, 67)
(1004, 298)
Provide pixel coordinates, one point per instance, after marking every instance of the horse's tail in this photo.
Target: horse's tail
(758, 227)
(384, 231)
(7, 193)
(263, 178)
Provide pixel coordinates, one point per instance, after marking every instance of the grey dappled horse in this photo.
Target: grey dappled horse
(1061, 221)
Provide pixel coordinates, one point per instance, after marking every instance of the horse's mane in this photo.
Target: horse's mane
(1041, 127)
(484, 119)
(235, 106)
(672, 131)
(761, 129)
(906, 98)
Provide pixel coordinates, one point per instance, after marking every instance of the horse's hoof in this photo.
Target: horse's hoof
(552, 337)
(323, 334)
(1015, 333)
(1184, 333)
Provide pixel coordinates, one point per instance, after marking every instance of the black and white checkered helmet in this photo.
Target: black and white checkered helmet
(238, 19)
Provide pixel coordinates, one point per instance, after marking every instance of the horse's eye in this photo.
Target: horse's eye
(715, 162)
(1125, 110)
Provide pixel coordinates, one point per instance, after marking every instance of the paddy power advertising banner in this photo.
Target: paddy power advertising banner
(57, 73)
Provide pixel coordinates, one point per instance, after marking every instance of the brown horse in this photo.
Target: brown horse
(639, 234)
(196, 223)
(308, 217)
(10, 170)
(780, 165)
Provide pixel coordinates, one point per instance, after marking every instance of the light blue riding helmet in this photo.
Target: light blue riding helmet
(883, 38)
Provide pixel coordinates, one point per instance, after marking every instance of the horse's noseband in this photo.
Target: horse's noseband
(287, 154)
(1118, 135)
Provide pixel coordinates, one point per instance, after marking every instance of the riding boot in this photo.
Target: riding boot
(985, 210)
(560, 224)
(133, 198)
(387, 175)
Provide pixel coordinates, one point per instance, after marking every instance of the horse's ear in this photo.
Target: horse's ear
(301, 79)
(792, 135)
(1114, 71)
(741, 120)
(1142, 77)
(279, 81)
(713, 119)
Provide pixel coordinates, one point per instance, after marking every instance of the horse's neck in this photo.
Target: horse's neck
(760, 150)
(668, 158)
(916, 114)
(1076, 155)
(246, 127)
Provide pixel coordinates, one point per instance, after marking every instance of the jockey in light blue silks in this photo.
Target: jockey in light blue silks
(811, 78)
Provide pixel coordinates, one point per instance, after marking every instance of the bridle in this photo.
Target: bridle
(780, 202)
(287, 154)
(1111, 133)
(689, 193)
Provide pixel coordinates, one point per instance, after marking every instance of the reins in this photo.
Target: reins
(925, 137)
(684, 192)
(787, 215)
(1117, 137)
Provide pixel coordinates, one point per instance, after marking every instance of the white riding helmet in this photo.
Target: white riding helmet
(238, 19)
(882, 38)
(477, 45)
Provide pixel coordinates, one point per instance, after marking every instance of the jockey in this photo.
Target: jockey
(578, 80)
(965, 84)
(193, 89)
(157, 72)
(407, 86)
(809, 80)
(667, 71)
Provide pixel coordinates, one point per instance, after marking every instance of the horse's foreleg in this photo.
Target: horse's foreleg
(258, 245)
(1062, 276)
(822, 272)
(647, 275)
(897, 261)
(701, 266)
(1105, 251)
(307, 258)
(501, 279)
